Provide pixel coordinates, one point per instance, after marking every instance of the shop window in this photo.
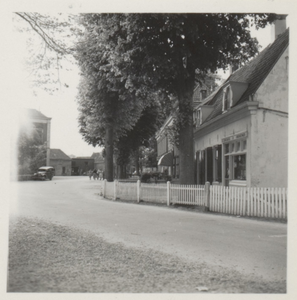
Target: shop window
(239, 165)
(232, 147)
(243, 144)
(226, 148)
(235, 160)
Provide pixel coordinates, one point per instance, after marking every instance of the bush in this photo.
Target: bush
(167, 178)
(145, 177)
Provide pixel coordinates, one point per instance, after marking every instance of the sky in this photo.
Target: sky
(62, 107)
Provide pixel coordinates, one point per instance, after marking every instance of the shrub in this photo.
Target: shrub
(145, 177)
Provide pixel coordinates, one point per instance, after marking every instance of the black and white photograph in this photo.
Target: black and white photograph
(148, 150)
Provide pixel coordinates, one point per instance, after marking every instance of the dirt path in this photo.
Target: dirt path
(47, 257)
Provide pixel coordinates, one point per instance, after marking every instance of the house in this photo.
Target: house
(168, 154)
(99, 162)
(40, 124)
(81, 165)
(60, 161)
(241, 130)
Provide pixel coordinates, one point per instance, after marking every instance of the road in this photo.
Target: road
(246, 245)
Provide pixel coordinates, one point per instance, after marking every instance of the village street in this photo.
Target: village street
(253, 248)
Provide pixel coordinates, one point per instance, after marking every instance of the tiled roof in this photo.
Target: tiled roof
(35, 114)
(254, 73)
(58, 154)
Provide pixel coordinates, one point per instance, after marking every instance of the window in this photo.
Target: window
(235, 160)
(202, 94)
(227, 98)
(198, 117)
(218, 163)
(239, 165)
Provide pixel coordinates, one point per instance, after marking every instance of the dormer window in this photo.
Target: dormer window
(203, 94)
(227, 98)
(198, 117)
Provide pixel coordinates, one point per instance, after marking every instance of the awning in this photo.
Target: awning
(166, 160)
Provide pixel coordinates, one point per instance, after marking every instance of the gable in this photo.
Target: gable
(58, 154)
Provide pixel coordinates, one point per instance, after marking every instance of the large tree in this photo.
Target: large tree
(108, 106)
(131, 144)
(168, 51)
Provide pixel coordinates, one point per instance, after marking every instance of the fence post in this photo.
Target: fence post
(207, 196)
(115, 189)
(168, 193)
(104, 188)
(138, 190)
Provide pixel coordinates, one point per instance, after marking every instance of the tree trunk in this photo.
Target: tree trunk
(186, 142)
(109, 153)
(122, 173)
(186, 155)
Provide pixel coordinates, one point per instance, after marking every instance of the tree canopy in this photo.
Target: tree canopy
(50, 47)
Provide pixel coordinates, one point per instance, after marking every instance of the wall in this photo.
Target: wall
(273, 93)
(269, 155)
(84, 165)
(58, 164)
(162, 145)
(270, 128)
(215, 137)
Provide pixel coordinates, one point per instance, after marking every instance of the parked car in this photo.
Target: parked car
(44, 173)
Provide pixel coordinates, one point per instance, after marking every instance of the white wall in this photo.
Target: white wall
(269, 151)
(274, 91)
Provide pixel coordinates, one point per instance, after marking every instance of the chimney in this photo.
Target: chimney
(278, 27)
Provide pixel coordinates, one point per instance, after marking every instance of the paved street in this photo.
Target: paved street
(244, 245)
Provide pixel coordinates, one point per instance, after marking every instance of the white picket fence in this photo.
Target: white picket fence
(254, 202)
(241, 201)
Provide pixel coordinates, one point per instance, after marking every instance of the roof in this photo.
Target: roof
(35, 114)
(254, 73)
(82, 157)
(58, 154)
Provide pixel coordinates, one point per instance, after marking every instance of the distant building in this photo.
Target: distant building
(42, 125)
(99, 162)
(81, 165)
(60, 161)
